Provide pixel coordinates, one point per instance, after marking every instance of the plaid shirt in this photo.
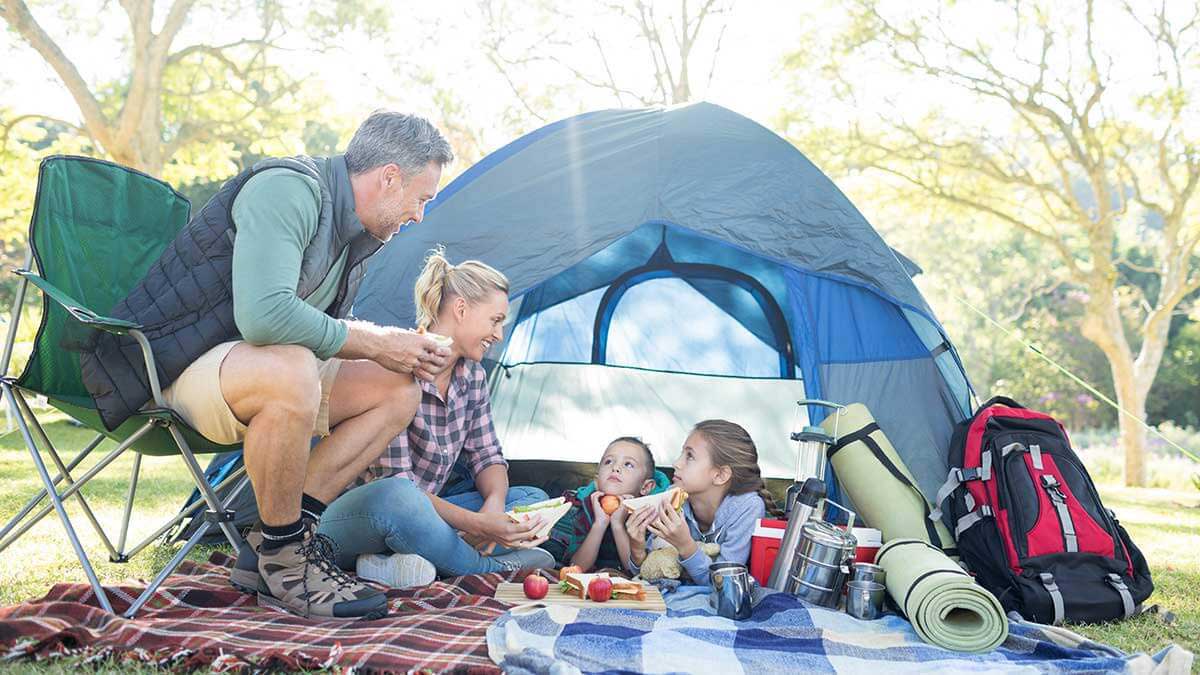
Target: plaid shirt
(443, 429)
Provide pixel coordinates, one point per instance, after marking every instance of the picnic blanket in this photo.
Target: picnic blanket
(197, 620)
(783, 635)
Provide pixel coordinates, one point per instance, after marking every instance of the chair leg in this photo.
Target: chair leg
(101, 596)
(133, 482)
(224, 519)
(190, 544)
(37, 499)
(187, 512)
(62, 468)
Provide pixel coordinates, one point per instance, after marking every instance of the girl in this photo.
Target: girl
(718, 468)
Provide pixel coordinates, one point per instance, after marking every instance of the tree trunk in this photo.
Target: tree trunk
(1132, 434)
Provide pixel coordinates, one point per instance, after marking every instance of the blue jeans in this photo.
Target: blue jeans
(393, 515)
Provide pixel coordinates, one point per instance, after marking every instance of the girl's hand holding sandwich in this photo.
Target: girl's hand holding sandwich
(672, 528)
(636, 526)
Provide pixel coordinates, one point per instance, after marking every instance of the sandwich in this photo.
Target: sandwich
(675, 497)
(576, 584)
(548, 510)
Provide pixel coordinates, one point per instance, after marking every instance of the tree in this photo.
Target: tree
(185, 98)
(1063, 140)
(674, 39)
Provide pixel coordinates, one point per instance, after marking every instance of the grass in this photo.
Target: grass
(1164, 522)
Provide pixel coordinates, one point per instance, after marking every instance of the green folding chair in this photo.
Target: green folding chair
(96, 228)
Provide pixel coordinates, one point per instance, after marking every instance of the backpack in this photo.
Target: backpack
(1030, 524)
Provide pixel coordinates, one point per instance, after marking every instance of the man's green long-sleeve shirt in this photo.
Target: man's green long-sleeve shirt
(276, 214)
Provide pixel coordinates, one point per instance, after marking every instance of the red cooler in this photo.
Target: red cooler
(764, 546)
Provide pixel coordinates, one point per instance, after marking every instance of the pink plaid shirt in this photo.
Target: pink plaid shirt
(441, 431)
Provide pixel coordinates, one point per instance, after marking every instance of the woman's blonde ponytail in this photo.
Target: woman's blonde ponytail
(430, 287)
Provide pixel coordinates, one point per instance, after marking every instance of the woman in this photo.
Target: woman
(394, 528)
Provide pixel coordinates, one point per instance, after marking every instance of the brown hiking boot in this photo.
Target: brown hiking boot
(303, 579)
(244, 576)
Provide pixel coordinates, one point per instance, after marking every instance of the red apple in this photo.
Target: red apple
(610, 503)
(536, 586)
(600, 590)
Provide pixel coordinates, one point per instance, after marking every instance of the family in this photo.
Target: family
(249, 313)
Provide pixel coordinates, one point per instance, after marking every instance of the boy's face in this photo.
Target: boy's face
(623, 471)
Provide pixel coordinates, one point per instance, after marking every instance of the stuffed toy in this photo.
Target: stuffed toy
(663, 562)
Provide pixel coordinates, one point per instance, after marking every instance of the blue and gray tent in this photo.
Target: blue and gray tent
(669, 266)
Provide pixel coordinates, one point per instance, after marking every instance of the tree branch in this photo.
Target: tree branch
(17, 14)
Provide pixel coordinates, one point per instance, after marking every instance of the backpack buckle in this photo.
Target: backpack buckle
(1053, 488)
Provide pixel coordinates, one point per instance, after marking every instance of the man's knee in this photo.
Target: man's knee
(401, 399)
(526, 494)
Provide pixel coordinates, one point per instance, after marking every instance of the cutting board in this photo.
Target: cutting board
(515, 593)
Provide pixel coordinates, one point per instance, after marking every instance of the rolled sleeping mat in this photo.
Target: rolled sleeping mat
(944, 604)
(883, 490)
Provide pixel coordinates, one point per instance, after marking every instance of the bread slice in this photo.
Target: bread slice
(550, 511)
(676, 496)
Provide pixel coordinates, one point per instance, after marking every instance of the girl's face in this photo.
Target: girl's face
(694, 470)
(478, 325)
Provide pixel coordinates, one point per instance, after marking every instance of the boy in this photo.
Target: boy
(587, 536)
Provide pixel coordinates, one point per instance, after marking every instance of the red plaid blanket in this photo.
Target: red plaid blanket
(198, 620)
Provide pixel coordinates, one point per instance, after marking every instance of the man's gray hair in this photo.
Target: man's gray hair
(407, 141)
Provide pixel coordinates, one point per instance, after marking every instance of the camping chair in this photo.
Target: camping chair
(96, 228)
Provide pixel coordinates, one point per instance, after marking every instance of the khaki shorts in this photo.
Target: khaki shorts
(196, 396)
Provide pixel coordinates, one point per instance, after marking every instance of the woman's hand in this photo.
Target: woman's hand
(671, 526)
(499, 529)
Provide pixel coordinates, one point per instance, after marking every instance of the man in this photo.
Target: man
(247, 314)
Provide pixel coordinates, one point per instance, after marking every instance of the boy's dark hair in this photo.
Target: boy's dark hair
(634, 440)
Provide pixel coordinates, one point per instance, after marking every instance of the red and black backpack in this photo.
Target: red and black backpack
(1030, 524)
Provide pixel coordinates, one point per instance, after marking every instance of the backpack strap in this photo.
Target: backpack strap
(1035, 452)
(957, 476)
(1119, 586)
(1055, 596)
(1051, 485)
(966, 522)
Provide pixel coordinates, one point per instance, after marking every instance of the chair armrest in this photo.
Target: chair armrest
(76, 309)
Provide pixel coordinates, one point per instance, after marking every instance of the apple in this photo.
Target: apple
(536, 587)
(600, 590)
(610, 503)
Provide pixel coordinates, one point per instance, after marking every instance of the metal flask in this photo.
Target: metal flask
(822, 562)
(808, 498)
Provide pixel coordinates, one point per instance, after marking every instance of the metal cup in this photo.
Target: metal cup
(868, 572)
(731, 590)
(864, 599)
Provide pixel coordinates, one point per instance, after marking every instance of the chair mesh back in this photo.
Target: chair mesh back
(96, 228)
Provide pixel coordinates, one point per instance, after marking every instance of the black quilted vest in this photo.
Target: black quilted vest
(185, 301)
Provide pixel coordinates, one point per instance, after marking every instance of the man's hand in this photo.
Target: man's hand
(407, 352)
(498, 528)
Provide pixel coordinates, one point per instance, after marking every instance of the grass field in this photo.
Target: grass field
(1164, 522)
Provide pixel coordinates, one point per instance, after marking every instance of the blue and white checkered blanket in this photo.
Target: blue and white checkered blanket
(783, 635)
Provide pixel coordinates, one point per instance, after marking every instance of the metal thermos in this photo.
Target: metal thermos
(803, 499)
(822, 561)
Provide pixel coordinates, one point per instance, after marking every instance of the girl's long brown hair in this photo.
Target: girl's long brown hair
(732, 447)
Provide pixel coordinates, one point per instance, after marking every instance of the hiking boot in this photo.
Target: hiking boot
(244, 576)
(304, 579)
(525, 559)
(396, 570)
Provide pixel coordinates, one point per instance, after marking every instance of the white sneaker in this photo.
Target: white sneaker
(396, 570)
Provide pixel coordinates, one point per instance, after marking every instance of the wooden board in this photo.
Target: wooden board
(515, 593)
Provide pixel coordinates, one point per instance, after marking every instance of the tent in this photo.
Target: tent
(669, 266)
